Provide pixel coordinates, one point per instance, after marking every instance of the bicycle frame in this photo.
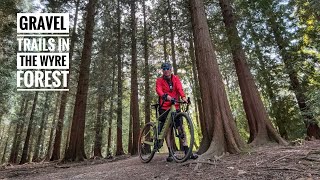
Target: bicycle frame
(161, 135)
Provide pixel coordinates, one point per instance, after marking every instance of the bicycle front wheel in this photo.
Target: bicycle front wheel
(147, 141)
(183, 137)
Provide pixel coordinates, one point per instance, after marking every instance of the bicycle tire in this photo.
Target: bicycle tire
(187, 123)
(147, 144)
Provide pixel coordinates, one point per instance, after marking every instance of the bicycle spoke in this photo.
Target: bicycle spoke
(147, 142)
(183, 140)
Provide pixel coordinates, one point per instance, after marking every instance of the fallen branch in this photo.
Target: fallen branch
(284, 168)
(311, 159)
(281, 158)
(198, 162)
(314, 152)
(313, 156)
(64, 167)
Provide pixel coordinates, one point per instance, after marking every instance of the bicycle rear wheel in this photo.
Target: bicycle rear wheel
(147, 141)
(183, 140)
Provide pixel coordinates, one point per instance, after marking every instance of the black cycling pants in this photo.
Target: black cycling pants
(162, 118)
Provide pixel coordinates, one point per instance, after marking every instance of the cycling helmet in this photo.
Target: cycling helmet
(166, 66)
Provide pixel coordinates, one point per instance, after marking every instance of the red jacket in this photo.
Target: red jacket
(162, 87)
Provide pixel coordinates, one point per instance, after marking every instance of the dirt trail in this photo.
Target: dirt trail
(269, 162)
(130, 168)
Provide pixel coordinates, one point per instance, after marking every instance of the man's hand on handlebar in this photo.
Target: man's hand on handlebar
(185, 100)
(167, 97)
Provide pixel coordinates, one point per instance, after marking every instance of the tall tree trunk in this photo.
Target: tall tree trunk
(119, 149)
(31, 144)
(206, 137)
(25, 150)
(101, 98)
(36, 157)
(57, 140)
(43, 143)
(19, 123)
(53, 127)
(269, 89)
(217, 113)
(109, 154)
(3, 159)
(64, 96)
(1, 130)
(130, 127)
(75, 150)
(205, 142)
(267, 80)
(17, 147)
(68, 133)
(173, 52)
(165, 53)
(14, 142)
(309, 120)
(146, 68)
(1, 114)
(99, 122)
(261, 128)
(134, 83)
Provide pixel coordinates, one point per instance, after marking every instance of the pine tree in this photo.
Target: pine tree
(75, 150)
(221, 128)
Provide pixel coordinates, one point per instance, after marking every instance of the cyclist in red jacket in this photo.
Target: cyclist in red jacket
(169, 86)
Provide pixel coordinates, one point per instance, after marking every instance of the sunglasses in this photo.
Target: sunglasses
(165, 69)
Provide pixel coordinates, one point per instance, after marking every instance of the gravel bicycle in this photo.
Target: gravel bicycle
(178, 124)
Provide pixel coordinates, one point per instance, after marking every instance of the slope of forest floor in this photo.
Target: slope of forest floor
(301, 161)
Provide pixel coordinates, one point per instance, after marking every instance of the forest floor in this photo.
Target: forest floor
(300, 161)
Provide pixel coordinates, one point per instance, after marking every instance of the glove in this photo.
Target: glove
(164, 97)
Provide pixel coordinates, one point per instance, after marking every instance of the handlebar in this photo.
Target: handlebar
(181, 102)
(173, 101)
